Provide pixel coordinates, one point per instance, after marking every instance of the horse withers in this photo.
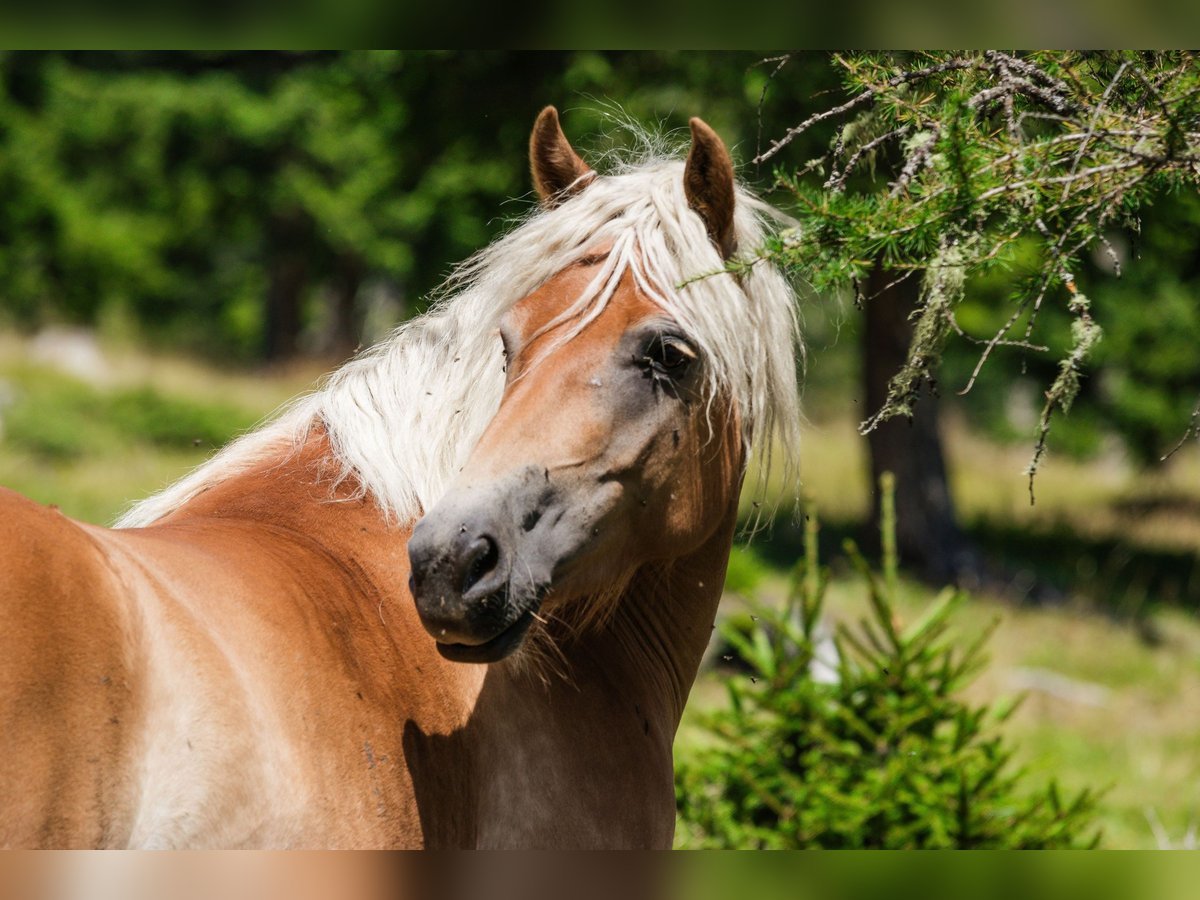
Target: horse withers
(457, 596)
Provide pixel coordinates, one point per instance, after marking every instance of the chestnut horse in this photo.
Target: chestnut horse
(454, 598)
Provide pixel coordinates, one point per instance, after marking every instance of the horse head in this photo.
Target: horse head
(618, 440)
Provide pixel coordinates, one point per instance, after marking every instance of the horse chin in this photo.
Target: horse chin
(495, 648)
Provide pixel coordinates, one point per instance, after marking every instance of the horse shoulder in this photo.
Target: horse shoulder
(67, 697)
(289, 669)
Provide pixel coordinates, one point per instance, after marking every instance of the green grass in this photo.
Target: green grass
(60, 418)
(98, 488)
(1139, 741)
(94, 449)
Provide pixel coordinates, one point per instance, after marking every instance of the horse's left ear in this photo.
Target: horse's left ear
(558, 172)
(708, 185)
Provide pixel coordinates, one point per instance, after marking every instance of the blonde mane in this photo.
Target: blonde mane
(403, 417)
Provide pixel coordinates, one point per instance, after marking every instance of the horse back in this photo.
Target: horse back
(67, 696)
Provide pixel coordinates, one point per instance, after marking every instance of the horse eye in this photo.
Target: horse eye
(669, 354)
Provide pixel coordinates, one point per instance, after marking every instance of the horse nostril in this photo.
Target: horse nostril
(481, 557)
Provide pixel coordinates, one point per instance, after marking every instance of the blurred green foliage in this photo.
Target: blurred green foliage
(252, 204)
(745, 571)
(881, 752)
(230, 200)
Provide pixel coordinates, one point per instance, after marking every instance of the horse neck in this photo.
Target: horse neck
(583, 755)
(652, 646)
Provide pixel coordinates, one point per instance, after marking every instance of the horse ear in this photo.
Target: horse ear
(708, 185)
(558, 172)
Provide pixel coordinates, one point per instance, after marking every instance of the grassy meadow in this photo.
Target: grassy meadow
(95, 441)
(1109, 669)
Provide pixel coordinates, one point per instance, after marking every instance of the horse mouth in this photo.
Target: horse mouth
(493, 649)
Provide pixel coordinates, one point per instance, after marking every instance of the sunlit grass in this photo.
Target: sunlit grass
(1159, 506)
(1136, 737)
(96, 488)
(1094, 497)
(94, 446)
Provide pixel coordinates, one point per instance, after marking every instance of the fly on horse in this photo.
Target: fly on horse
(455, 597)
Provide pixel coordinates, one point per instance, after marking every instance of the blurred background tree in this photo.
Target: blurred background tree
(238, 201)
(264, 204)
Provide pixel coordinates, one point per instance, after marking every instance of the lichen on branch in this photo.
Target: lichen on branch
(950, 163)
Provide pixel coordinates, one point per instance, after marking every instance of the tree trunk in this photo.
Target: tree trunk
(927, 534)
(347, 320)
(288, 274)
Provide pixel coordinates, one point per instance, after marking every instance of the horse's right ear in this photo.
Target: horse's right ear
(558, 172)
(708, 185)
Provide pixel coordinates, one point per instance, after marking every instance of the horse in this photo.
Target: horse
(457, 595)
